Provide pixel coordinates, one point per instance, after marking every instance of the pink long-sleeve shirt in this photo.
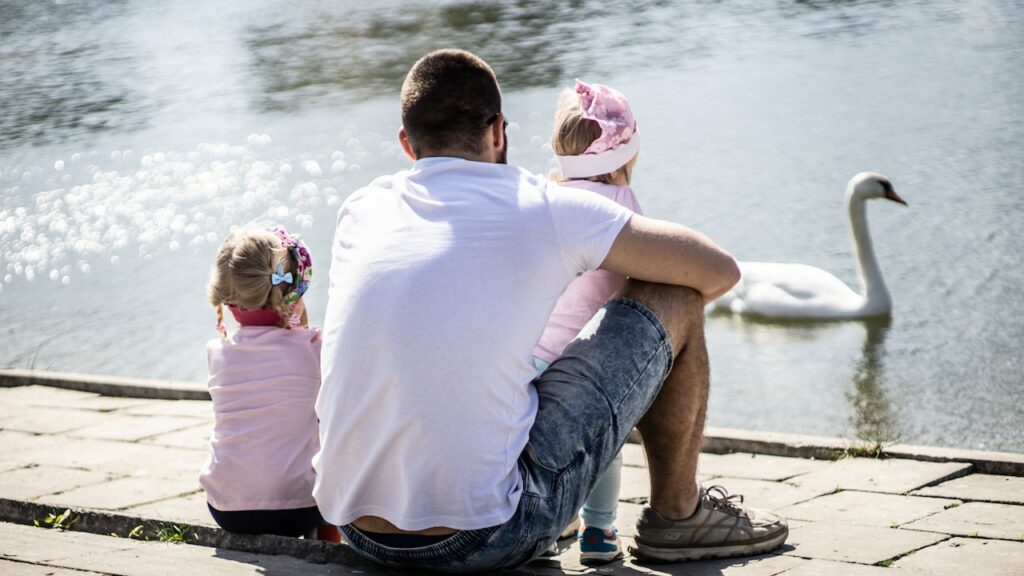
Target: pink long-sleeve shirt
(264, 381)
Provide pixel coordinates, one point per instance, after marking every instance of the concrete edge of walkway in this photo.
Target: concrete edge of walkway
(121, 525)
(106, 385)
(726, 440)
(717, 440)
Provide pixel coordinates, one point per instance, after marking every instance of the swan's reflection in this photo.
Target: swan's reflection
(873, 418)
(813, 377)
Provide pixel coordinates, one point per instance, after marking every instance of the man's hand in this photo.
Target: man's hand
(660, 251)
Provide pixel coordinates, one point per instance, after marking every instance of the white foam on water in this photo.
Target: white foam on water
(58, 165)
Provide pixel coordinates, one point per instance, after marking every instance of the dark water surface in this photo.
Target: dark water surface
(133, 134)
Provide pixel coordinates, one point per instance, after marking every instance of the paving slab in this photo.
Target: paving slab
(17, 449)
(980, 488)
(31, 483)
(960, 556)
(107, 403)
(636, 485)
(980, 519)
(8, 410)
(132, 428)
(41, 396)
(867, 508)
(77, 452)
(146, 460)
(829, 568)
(568, 563)
(874, 475)
(189, 509)
(8, 568)
(193, 408)
(122, 493)
(56, 550)
(52, 421)
(764, 493)
(633, 455)
(626, 517)
(194, 438)
(45, 545)
(851, 543)
(756, 467)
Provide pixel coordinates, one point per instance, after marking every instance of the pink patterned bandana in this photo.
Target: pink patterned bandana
(619, 140)
(256, 316)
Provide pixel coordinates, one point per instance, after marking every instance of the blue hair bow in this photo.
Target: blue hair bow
(280, 276)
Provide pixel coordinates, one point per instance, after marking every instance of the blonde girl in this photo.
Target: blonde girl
(596, 144)
(264, 379)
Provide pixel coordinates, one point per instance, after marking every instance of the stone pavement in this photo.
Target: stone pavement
(123, 463)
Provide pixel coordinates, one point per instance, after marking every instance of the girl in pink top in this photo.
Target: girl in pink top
(596, 144)
(264, 380)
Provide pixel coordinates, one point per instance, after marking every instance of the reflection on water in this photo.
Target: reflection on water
(73, 68)
(873, 417)
(133, 134)
(58, 85)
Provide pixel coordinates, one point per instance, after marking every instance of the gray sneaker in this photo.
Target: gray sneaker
(720, 528)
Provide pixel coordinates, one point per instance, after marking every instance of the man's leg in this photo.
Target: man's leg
(673, 427)
(685, 522)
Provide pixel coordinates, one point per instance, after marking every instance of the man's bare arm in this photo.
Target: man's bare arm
(668, 253)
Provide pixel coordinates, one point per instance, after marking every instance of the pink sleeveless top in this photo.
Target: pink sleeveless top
(586, 294)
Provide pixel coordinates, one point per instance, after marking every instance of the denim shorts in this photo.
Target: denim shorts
(590, 399)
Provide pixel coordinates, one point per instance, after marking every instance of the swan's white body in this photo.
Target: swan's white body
(799, 291)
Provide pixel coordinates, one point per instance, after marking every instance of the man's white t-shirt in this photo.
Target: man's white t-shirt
(442, 279)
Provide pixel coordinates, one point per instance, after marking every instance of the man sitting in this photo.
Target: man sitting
(441, 446)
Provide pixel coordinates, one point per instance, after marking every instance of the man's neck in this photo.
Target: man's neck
(456, 154)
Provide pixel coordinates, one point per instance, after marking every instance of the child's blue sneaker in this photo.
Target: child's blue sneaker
(599, 547)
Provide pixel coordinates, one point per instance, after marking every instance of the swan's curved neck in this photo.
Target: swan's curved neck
(872, 285)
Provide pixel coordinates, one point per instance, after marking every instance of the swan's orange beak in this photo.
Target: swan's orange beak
(892, 195)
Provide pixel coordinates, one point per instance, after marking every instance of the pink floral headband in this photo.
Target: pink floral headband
(619, 140)
(304, 265)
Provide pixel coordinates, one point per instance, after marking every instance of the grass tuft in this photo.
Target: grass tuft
(162, 532)
(63, 521)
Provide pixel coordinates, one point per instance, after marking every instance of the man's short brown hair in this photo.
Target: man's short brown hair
(449, 98)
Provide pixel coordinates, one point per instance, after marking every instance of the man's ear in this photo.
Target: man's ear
(498, 132)
(403, 139)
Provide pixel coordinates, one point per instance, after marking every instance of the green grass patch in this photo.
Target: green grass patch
(63, 521)
(162, 532)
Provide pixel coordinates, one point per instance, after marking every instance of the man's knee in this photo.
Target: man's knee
(679, 308)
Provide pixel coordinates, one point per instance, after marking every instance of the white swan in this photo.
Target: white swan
(799, 291)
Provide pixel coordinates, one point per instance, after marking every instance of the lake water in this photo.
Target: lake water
(133, 134)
